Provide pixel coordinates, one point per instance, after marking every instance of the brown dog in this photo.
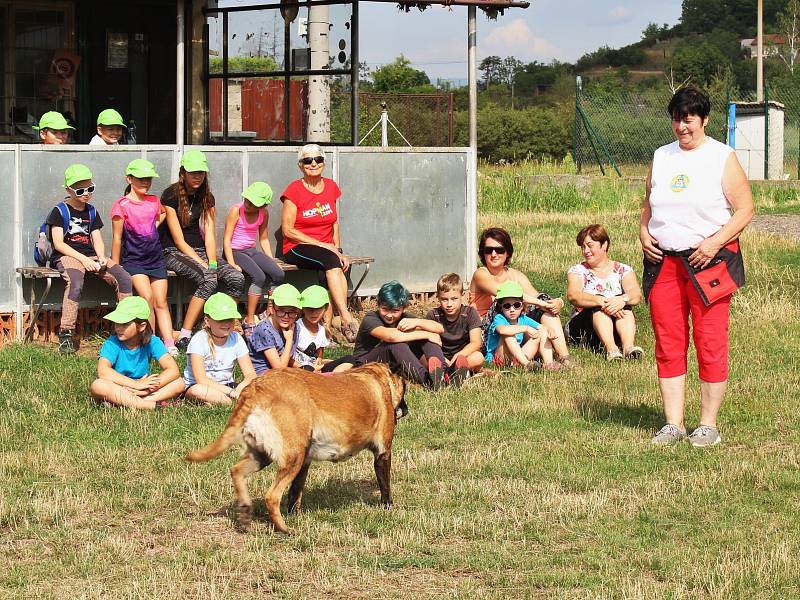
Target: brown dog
(291, 417)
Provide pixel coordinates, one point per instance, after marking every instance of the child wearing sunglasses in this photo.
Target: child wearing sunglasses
(273, 342)
(79, 249)
(514, 338)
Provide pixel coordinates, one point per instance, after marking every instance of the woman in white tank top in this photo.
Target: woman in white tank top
(698, 201)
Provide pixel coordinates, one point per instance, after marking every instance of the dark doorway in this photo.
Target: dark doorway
(129, 58)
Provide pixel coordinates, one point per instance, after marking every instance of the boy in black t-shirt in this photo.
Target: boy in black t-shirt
(461, 338)
(79, 249)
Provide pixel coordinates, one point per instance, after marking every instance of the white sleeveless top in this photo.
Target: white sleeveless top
(687, 204)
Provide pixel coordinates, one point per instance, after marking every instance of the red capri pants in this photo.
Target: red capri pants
(672, 298)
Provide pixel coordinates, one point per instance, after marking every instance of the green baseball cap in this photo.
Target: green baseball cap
(110, 117)
(141, 168)
(130, 309)
(76, 172)
(314, 296)
(259, 193)
(53, 120)
(220, 307)
(509, 289)
(193, 161)
(286, 295)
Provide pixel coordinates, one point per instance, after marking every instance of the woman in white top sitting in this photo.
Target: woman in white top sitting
(697, 203)
(602, 291)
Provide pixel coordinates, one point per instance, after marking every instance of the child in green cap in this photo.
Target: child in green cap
(273, 342)
(53, 128)
(514, 338)
(136, 246)
(123, 371)
(110, 128)
(78, 248)
(212, 353)
(312, 338)
(245, 222)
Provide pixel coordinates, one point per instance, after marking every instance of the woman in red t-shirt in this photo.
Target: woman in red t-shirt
(310, 225)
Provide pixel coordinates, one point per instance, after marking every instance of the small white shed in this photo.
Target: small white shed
(753, 147)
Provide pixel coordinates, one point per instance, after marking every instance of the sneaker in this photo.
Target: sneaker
(436, 374)
(613, 355)
(705, 436)
(634, 353)
(534, 365)
(182, 344)
(553, 366)
(66, 345)
(568, 362)
(173, 351)
(350, 331)
(667, 435)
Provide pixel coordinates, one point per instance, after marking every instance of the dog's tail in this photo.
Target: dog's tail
(232, 432)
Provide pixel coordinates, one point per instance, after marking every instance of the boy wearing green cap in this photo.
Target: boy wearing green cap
(78, 249)
(311, 336)
(189, 243)
(245, 222)
(123, 371)
(110, 128)
(273, 342)
(53, 128)
(514, 338)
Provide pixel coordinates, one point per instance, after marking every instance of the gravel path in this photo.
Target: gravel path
(783, 225)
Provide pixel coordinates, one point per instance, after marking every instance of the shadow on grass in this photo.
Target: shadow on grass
(640, 416)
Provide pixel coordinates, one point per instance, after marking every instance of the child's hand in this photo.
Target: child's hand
(234, 394)
(288, 334)
(406, 325)
(237, 267)
(90, 265)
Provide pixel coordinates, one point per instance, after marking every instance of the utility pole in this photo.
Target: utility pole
(760, 58)
(319, 91)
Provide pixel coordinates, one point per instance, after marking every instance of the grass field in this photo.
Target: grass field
(541, 486)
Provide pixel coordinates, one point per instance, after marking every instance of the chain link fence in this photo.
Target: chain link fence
(617, 132)
(422, 119)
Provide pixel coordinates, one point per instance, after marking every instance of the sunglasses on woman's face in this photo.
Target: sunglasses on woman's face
(510, 305)
(307, 160)
(500, 250)
(82, 191)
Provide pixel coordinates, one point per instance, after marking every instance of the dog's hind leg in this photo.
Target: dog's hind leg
(296, 490)
(249, 464)
(383, 467)
(285, 475)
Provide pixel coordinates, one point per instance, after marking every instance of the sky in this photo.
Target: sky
(436, 40)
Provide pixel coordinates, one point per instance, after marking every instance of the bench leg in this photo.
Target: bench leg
(38, 308)
(358, 285)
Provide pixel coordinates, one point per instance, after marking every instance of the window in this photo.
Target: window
(281, 73)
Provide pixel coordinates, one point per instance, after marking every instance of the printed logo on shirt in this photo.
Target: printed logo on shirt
(679, 183)
(323, 210)
(78, 230)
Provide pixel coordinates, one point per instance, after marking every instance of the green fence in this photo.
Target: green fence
(617, 132)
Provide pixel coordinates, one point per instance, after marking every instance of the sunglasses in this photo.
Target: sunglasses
(312, 159)
(286, 313)
(82, 191)
(494, 250)
(509, 305)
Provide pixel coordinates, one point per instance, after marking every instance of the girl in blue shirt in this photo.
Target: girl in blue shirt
(514, 338)
(123, 371)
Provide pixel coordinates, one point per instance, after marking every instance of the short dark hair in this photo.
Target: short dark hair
(595, 231)
(688, 101)
(502, 236)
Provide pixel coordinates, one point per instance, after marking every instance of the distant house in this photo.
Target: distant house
(772, 45)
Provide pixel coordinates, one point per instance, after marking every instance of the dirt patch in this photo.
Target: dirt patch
(783, 225)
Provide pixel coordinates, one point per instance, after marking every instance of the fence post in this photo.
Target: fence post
(766, 132)
(577, 130)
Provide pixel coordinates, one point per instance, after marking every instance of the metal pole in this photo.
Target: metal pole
(760, 58)
(766, 132)
(180, 79)
(577, 129)
(355, 106)
(473, 78)
(384, 126)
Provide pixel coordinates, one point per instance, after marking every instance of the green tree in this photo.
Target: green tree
(511, 68)
(789, 28)
(492, 68)
(243, 64)
(651, 32)
(700, 61)
(399, 76)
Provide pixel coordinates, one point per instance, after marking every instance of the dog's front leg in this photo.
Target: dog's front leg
(296, 490)
(383, 466)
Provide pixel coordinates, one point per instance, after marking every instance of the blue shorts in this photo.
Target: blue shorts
(153, 272)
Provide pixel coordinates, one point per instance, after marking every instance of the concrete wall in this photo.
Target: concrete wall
(413, 210)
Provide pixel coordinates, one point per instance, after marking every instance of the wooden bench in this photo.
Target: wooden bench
(49, 274)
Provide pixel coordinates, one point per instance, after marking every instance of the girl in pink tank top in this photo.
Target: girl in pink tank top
(247, 249)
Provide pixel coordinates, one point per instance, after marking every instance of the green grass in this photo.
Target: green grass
(538, 486)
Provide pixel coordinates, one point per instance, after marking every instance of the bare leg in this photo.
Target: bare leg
(239, 474)
(207, 395)
(103, 390)
(337, 286)
(193, 312)
(560, 342)
(626, 328)
(604, 328)
(159, 287)
(252, 306)
(141, 284)
(171, 390)
(711, 396)
(546, 350)
(475, 361)
(512, 349)
(296, 490)
(673, 397)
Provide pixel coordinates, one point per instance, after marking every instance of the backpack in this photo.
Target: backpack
(43, 248)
